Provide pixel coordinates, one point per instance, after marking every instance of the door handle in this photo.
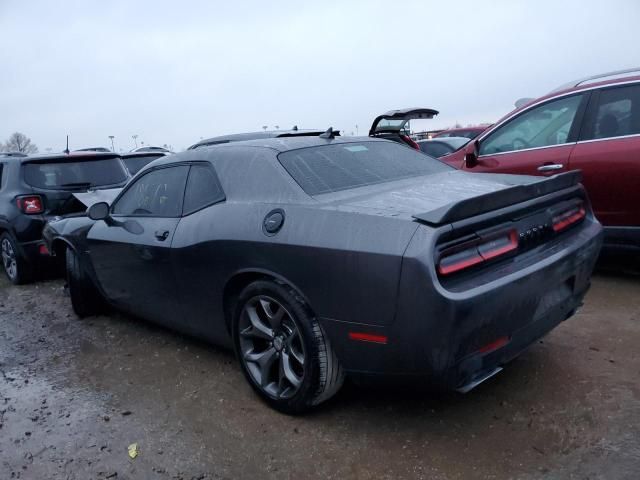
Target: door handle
(162, 234)
(550, 167)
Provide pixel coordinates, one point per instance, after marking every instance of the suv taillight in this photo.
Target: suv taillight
(569, 217)
(474, 252)
(30, 204)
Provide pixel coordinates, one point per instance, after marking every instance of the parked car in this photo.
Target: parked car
(93, 149)
(150, 149)
(36, 188)
(468, 132)
(439, 147)
(319, 257)
(242, 137)
(13, 154)
(134, 161)
(592, 125)
(393, 125)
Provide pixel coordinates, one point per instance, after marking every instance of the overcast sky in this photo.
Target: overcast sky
(173, 72)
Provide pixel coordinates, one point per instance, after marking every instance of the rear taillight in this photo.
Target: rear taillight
(569, 217)
(477, 251)
(30, 204)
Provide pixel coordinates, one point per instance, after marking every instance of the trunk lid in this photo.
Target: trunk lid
(445, 197)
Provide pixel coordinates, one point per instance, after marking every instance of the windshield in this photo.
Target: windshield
(75, 174)
(134, 164)
(330, 168)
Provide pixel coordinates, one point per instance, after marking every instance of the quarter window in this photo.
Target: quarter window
(158, 193)
(542, 126)
(617, 113)
(203, 189)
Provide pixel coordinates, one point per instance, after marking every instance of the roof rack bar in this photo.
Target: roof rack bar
(576, 83)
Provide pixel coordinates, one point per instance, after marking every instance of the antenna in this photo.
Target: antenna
(66, 150)
(329, 134)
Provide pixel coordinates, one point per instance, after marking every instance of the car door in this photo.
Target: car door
(608, 153)
(131, 251)
(537, 141)
(201, 253)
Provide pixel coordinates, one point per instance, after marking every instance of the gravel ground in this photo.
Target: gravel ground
(75, 394)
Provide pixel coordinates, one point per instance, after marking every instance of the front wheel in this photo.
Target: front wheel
(282, 349)
(85, 298)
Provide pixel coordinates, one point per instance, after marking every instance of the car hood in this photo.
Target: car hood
(408, 198)
(96, 196)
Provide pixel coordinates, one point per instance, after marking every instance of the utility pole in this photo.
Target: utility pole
(111, 137)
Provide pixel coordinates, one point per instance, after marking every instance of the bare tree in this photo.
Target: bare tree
(19, 142)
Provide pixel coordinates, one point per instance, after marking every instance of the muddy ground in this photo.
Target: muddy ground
(75, 393)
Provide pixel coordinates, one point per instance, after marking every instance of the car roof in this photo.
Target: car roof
(241, 137)
(576, 86)
(278, 145)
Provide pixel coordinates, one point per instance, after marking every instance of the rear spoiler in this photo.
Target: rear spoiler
(502, 198)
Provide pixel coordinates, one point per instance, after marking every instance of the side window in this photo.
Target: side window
(616, 113)
(203, 189)
(1, 168)
(158, 193)
(542, 126)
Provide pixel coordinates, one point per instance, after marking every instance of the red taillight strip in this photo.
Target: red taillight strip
(561, 222)
(367, 337)
(455, 267)
(477, 256)
(510, 247)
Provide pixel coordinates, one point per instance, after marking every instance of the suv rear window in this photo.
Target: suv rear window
(74, 174)
(330, 168)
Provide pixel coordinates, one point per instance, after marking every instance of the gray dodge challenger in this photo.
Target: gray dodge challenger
(318, 258)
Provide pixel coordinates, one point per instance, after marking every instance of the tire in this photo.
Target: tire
(282, 349)
(85, 298)
(15, 266)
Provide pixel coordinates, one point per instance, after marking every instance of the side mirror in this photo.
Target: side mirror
(471, 154)
(98, 211)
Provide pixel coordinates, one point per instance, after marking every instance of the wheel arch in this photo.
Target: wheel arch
(242, 278)
(59, 245)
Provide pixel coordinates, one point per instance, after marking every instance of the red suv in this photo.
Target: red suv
(592, 125)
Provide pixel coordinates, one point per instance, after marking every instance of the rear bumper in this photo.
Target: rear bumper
(439, 335)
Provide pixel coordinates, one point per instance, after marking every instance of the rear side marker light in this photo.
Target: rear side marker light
(368, 337)
(31, 204)
(567, 218)
(43, 250)
(478, 252)
(495, 345)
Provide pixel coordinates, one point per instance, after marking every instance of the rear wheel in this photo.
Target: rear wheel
(15, 266)
(282, 349)
(85, 298)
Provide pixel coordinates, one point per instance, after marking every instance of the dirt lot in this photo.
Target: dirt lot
(74, 394)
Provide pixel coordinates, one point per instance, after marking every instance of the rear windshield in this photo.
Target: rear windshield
(75, 174)
(330, 168)
(134, 164)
